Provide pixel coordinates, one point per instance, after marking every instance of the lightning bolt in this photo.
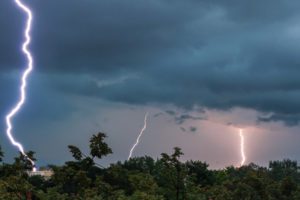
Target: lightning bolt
(139, 136)
(26, 73)
(242, 146)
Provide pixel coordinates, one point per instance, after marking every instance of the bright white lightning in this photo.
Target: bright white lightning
(242, 146)
(25, 75)
(139, 136)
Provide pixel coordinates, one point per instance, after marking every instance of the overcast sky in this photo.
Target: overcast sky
(203, 69)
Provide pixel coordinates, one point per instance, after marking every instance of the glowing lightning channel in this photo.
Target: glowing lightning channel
(242, 148)
(25, 75)
(139, 136)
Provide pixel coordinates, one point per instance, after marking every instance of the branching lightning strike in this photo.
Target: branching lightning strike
(26, 73)
(139, 136)
(242, 146)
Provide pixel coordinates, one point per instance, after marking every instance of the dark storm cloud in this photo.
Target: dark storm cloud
(42, 103)
(288, 119)
(170, 112)
(182, 129)
(158, 114)
(215, 54)
(193, 129)
(182, 118)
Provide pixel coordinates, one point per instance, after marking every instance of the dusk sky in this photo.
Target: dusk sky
(202, 69)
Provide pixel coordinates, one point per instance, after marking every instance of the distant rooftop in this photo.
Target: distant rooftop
(44, 173)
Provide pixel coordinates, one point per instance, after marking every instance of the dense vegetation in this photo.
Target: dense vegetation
(147, 179)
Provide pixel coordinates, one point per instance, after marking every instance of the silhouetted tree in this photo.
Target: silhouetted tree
(98, 148)
(173, 173)
(76, 153)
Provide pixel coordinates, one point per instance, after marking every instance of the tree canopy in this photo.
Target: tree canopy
(145, 178)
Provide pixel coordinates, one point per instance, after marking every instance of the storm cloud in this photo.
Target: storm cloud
(212, 54)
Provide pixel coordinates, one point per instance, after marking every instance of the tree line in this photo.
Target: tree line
(145, 178)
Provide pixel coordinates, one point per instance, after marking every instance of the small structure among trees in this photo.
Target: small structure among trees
(45, 173)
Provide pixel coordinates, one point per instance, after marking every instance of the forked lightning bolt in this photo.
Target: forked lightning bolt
(26, 73)
(242, 146)
(139, 136)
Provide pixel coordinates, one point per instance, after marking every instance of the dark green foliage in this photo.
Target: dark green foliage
(199, 172)
(172, 175)
(99, 148)
(144, 178)
(76, 153)
(281, 169)
(143, 164)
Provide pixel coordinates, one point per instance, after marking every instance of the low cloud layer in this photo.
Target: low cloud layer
(212, 54)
